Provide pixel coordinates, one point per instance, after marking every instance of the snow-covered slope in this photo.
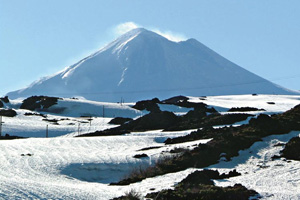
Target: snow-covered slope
(142, 64)
(80, 168)
(68, 116)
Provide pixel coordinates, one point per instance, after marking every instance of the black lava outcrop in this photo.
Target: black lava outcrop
(119, 120)
(9, 137)
(141, 156)
(5, 99)
(151, 121)
(39, 103)
(8, 112)
(244, 109)
(175, 100)
(199, 185)
(150, 105)
(226, 141)
(182, 101)
(168, 121)
(292, 149)
(198, 118)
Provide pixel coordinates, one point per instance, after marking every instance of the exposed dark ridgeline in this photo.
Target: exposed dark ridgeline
(201, 116)
(292, 149)
(39, 103)
(199, 185)
(244, 109)
(119, 120)
(8, 112)
(3, 100)
(227, 141)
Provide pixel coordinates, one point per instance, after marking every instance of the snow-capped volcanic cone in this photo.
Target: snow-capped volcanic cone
(142, 64)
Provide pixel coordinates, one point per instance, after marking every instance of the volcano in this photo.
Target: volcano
(142, 64)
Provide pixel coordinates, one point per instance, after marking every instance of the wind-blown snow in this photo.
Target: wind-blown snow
(142, 65)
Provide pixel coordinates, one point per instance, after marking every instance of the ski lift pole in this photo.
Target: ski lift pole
(47, 131)
(0, 125)
(78, 128)
(103, 112)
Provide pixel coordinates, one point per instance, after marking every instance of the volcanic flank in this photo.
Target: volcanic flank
(142, 64)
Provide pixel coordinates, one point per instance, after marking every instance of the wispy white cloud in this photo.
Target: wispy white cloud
(175, 37)
(122, 28)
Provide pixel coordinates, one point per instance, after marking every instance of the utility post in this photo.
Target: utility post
(0, 125)
(47, 131)
(103, 112)
(78, 128)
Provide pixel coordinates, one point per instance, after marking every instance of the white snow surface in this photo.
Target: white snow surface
(75, 116)
(142, 64)
(49, 171)
(271, 103)
(277, 179)
(80, 168)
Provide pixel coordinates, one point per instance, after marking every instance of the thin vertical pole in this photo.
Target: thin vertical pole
(47, 131)
(79, 128)
(0, 125)
(103, 112)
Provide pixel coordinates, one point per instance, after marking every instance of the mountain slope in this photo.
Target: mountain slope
(141, 65)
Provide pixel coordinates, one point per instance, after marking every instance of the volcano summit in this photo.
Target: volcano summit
(142, 64)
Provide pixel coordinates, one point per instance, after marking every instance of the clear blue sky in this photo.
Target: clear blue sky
(39, 37)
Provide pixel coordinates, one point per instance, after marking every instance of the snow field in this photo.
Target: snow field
(37, 168)
(80, 168)
(223, 103)
(273, 179)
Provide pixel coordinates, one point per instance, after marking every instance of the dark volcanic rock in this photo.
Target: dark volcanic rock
(201, 177)
(198, 119)
(244, 109)
(175, 100)
(150, 105)
(292, 149)
(141, 156)
(230, 174)
(226, 141)
(271, 103)
(152, 121)
(39, 103)
(8, 112)
(119, 120)
(198, 185)
(35, 114)
(5, 99)
(1, 104)
(53, 121)
(8, 137)
(268, 124)
(182, 101)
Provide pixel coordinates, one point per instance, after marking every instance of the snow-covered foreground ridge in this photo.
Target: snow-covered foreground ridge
(142, 64)
(81, 168)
